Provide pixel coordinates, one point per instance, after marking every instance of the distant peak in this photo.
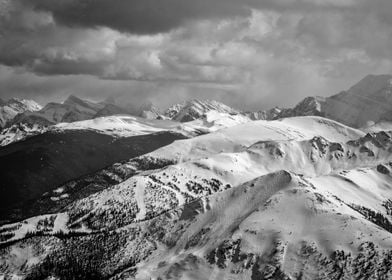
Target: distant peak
(72, 98)
(207, 104)
(29, 104)
(196, 108)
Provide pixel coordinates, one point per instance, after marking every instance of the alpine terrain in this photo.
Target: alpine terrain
(200, 190)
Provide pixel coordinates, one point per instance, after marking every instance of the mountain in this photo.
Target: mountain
(71, 110)
(208, 192)
(9, 109)
(173, 110)
(270, 114)
(42, 162)
(109, 110)
(257, 200)
(195, 109)
(149, 111)
(310, 106)
(66, 151)
(369, 100)
(124, 125)
(118, 128)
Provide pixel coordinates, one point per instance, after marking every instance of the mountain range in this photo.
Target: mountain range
(200, 190)
(366, 102)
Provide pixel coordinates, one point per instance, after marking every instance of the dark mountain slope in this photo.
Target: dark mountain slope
(41, 163)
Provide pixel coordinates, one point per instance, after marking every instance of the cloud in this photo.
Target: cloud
(251, 53)
(138, 17)
(156, 16)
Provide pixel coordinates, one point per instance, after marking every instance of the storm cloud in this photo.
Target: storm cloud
(251, 54)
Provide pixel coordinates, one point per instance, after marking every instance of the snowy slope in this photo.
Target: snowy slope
(269, 226)
(239, 137)
(298, 197)
(126, 125)
(195, 174)
(118, 125)
(276, 226)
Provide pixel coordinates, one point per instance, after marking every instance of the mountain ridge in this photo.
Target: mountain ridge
(368, 100)
(11, 108)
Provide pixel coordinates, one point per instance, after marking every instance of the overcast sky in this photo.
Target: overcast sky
(252, 54)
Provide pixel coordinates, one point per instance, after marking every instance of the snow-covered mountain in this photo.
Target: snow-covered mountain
(195, 109)
(58, 148)
(38, 120)
(207, 192)
(9, 109)
(370, 100)
(257, 200)
(126, 126)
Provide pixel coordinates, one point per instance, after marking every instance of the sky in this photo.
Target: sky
(250, 54)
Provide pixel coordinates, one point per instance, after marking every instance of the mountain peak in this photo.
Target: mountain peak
(196, 108)
(72, 99)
